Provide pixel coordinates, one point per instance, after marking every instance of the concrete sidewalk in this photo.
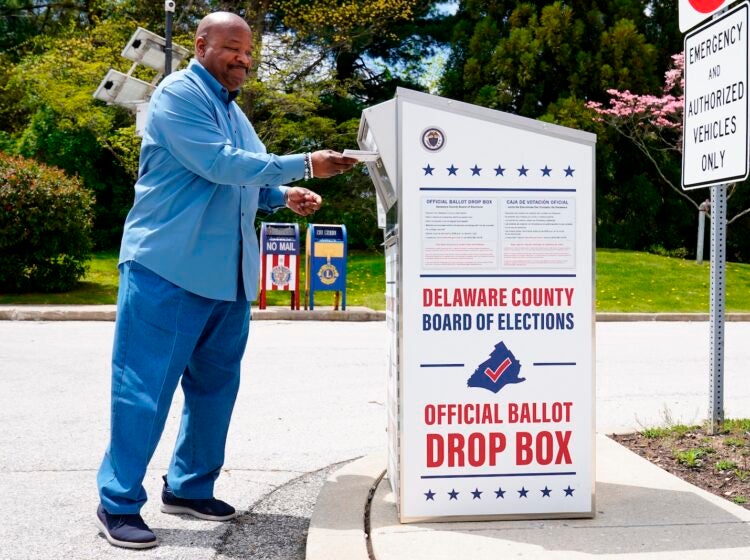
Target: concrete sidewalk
(642, 512)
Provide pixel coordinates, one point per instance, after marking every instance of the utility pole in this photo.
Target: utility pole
(169, 12)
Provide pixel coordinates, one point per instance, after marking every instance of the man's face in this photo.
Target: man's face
(227, 54)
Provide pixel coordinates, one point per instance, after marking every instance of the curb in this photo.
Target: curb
(107, 313)
(632, 317)
(278, 313)
(337, 525)
(57, 312)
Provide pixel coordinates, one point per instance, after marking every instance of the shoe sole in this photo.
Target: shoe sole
(123, 544)
(165, 508)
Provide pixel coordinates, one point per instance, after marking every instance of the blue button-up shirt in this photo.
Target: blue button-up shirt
(203, 175)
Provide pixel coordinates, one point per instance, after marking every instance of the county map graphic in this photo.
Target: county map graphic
(497, 371)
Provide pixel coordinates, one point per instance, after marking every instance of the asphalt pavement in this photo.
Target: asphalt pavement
(311, 404)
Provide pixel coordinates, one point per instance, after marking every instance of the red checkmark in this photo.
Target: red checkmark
(495, 374)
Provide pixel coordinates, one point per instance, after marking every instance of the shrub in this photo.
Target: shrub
(45, 227)
(678, 253)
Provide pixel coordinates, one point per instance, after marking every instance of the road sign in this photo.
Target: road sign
(693, 12)
(715, 128)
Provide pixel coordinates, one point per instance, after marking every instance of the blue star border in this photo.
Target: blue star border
(476, 494)
(476, 171)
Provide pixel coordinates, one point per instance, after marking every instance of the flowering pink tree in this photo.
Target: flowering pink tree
(654, 124)
(648, 113)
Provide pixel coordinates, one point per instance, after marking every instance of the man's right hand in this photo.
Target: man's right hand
(327, 163)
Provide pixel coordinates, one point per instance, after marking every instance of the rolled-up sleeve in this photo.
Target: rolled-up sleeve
(272, 198)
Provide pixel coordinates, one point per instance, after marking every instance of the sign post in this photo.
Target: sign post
(489, 247)
(717, 307)
(715, 147)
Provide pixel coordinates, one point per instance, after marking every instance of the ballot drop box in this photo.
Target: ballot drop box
(489, 249)
(280, 251)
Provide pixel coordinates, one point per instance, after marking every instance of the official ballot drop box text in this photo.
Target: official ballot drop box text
(489, 248)
(279, 253)
(327, 255)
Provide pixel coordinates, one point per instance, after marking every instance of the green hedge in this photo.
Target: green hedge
(45, 227)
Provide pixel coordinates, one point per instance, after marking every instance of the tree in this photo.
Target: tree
(316, 74)
(548, 59)
(654, 125)
(314, 80)
(21, 20)
(58, 121)
(45, 227)
(523, 57)
(662, 31)
(350, 34)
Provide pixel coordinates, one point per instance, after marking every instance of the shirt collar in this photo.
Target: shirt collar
(213, 84)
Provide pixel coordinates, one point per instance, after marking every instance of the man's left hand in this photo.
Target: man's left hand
(302, 201)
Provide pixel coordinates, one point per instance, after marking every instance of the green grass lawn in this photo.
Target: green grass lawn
(626, 281)
(629, 281)
(99, 286)
(365, 285)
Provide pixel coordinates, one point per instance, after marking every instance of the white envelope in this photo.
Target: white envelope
(362, 155)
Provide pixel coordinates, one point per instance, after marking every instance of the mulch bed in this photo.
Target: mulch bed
(719, 464)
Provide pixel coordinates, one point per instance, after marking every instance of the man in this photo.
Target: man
(188, 267)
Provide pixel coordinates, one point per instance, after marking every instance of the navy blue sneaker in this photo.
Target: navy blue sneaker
(208, 508)
(127, 531)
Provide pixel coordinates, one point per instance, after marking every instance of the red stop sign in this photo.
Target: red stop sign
(706, 6)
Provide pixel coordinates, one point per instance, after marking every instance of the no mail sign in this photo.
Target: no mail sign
(715, 131)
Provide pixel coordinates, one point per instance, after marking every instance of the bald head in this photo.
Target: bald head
(220, 21)
(223, 45)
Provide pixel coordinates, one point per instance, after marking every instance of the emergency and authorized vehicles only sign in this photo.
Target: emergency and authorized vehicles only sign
(715, 131)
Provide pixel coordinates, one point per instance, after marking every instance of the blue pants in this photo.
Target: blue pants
(163, 334)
